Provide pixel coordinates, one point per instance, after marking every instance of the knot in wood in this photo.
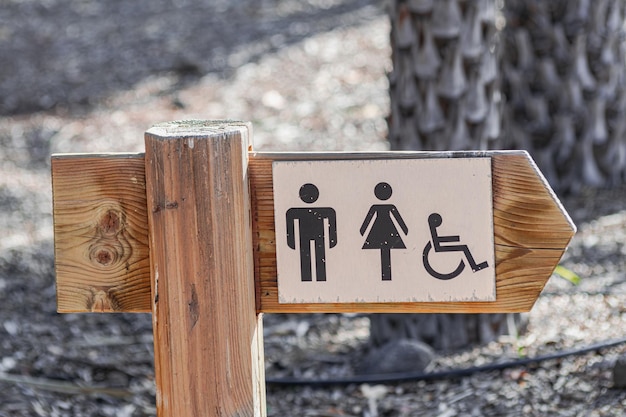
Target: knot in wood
(111, 222)
(102, 299)
(105, 254)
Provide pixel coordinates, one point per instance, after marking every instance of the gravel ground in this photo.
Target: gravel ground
(310, 76)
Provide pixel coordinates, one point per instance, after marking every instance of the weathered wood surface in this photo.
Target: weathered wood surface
(531, 232)
(101, 233)
(208, 338)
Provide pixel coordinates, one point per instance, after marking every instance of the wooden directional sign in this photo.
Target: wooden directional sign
(101, 232)
(206, 234)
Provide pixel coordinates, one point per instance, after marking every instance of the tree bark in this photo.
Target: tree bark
(444, 84)
(561, 68)
(444, 91)
(564, 81)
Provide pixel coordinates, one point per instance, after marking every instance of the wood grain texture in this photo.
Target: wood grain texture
(207, 335)
(101, 233)
(531, 232)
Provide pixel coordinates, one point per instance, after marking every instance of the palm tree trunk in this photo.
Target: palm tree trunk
(444, 86)
(444, 92)
(564, 80)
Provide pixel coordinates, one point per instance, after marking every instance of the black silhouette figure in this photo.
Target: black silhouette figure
(311, 229)
(434, 221)
(383, 234)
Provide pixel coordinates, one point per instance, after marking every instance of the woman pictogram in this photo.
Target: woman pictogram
(383, 234)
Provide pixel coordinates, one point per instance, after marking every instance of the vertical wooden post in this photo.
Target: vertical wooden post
(207, 335)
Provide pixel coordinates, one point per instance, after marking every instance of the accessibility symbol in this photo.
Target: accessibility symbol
(434, 221)
(383, 234)
(311, 231)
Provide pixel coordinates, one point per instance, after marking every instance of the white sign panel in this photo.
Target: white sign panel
(401, 230)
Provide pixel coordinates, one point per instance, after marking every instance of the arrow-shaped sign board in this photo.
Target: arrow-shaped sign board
(402, 231)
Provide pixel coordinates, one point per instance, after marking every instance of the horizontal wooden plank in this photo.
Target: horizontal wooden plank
(101, 233)
(531, 232)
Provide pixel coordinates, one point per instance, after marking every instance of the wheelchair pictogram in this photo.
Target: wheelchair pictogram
(434, 221)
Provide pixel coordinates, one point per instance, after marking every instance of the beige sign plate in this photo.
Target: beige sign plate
(403, 230)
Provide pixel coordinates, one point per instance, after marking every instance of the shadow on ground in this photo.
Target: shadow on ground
(69, 53)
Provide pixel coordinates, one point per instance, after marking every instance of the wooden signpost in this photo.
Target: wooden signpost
(190, 231)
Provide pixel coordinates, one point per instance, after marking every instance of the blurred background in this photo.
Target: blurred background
(87, 76)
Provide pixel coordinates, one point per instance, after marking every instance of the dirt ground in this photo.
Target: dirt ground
(82, 76)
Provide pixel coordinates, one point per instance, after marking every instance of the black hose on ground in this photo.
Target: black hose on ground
(447, 374)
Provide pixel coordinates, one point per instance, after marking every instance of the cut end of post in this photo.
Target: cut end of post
(196, 128)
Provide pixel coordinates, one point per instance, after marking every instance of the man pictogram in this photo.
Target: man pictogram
(312, 233)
